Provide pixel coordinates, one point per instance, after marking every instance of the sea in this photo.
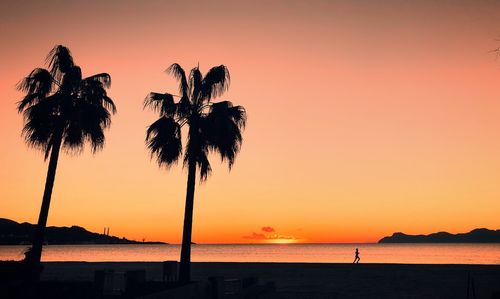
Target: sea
(283, 253)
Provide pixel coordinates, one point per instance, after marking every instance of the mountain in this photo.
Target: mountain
(13, 233)
(479, 235)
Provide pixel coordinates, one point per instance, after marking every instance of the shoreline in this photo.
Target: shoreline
(319, 280)
(456, 254)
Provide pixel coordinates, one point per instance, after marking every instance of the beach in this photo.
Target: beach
(320, 280)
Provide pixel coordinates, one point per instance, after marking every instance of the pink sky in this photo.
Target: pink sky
(364, 118)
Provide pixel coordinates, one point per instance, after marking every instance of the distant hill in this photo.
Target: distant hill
(13, 233)
(479, 235)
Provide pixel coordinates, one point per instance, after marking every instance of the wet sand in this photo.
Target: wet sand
(308, 280)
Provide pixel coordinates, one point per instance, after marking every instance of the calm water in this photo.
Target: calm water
(326, 253)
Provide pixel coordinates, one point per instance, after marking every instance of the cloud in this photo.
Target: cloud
(268, 229)
(269, 234)
(256, 236)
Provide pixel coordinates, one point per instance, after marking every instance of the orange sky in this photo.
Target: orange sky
(363, 118)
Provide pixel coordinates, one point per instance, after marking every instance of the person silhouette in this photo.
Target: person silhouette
(356, 257)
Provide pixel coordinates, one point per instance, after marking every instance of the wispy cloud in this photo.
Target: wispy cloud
(256, 236)
(269, 233)
(268, 229)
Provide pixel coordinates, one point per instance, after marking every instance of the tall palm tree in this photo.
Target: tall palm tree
(213, 127)
(62, 110)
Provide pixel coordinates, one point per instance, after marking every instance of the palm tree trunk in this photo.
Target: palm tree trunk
(35, 253)
(185, 266)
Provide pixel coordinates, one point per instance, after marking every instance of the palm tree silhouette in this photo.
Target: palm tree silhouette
(213, 127)
(62, 109)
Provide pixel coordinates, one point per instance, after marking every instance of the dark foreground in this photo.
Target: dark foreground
(308, 280)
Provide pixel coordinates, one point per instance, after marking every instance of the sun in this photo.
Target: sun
(282, 241)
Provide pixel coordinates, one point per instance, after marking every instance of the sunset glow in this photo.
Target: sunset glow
(363, 120)
(282, 241)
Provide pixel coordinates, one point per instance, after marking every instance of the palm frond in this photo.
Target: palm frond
(184, 108)
(73, 138)
(71, 80)
(204, 165)
(108, 103)
(37, 85)
(60, 61)
(195, 78)
(215, 83)
(41, 122)
(162, 103)
(178, 72)
(86, 123)
(29, 100)
(226, 109)
(93, 91)
(197, 152)
(38, 81)
(104, 78)
(163, 138)
(221, 130)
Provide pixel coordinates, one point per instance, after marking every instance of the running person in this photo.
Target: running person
(356, 257)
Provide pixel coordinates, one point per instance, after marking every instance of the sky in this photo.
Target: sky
(364, 118)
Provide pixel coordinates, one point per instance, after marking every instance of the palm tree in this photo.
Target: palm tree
(213, 127)
(62, 110)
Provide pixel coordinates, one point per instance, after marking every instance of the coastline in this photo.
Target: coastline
(483, 254)
(319, 280)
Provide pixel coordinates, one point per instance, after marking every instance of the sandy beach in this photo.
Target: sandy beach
(309, 280)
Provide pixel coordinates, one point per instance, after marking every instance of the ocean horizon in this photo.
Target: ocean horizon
(404, 253)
